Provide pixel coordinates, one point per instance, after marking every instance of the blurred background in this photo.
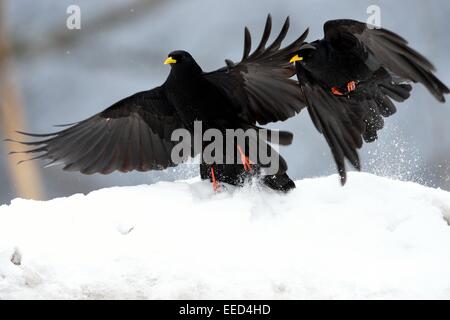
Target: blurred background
(52, 75)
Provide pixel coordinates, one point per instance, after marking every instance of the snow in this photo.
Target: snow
(375, 238)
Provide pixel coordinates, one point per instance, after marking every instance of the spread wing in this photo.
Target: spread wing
(339, 120)
(260, 86)
(346, 121)
(132, 134)
(387, 49)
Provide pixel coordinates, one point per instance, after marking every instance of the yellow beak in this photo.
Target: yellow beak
(170, 60)
(296, 58)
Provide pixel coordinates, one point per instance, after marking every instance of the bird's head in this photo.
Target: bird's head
(182, 63)
(304, 54)
(179, 57)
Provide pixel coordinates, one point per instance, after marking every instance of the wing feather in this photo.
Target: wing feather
(340, 120)
(260, 86)
(133, 134)
(390, 51)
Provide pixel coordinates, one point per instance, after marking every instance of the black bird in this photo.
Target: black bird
(349, 79)
(135, 133)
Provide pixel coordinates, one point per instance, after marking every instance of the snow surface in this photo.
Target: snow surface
(375, 238)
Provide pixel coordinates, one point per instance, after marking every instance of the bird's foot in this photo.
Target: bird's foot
(351, 86)
(245, 160)
(215, 184)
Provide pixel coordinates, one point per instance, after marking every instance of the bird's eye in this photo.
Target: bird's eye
(309, 54)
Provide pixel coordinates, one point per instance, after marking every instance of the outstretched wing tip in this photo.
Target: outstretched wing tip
(133, 137)
(261, 84)
(390, 50)
(247, 43)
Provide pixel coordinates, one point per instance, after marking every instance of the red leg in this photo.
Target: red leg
(336, 91)
(245, 160)
(215, 184)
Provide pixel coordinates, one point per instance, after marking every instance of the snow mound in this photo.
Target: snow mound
(375, 238)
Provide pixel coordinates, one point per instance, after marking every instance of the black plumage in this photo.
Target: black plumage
(135, 133)
(349, 79)
(348, 82)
